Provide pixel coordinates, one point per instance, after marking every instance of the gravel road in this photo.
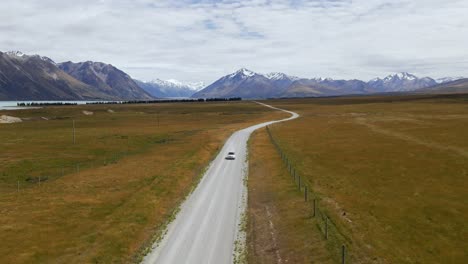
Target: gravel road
(205, 229)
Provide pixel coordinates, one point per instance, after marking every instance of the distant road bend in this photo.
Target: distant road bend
(206, 227)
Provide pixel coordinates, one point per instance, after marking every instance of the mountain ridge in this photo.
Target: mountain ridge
(170, 88)
(452, 87)
(106, 78)
(25, 77)
(34, 77)
(242, 83)
(249, 84)
(400, 82)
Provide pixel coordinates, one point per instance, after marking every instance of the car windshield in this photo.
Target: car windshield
(231, 153)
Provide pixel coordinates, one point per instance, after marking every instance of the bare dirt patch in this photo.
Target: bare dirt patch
(4, 119)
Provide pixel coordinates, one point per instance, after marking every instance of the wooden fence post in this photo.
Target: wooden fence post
(343, 254)
(315, 207)
(305, 193)
(326, 227)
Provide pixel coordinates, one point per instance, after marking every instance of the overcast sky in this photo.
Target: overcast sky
(192, 40)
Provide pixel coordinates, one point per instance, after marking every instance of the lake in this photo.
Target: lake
(11, 105)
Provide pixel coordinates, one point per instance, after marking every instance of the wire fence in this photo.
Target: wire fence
(338, 243)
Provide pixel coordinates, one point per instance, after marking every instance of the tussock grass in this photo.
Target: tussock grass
(280, 226)
(132, 175)
(391, 172)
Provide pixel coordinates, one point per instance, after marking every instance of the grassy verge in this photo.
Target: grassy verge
(280, 227)
(135, 164)
(390, 171)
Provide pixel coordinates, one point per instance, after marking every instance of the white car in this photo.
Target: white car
(231, 156)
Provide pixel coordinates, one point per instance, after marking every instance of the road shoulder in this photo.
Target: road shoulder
(280, 228)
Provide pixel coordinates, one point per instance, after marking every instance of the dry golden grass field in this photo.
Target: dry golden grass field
(279, 227)
(105, 198)
(390, 172)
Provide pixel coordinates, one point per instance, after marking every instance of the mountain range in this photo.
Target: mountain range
(451, 87)
(243, 83)
(401, 82)
(34, 77)
(170, 88)
(248, 84)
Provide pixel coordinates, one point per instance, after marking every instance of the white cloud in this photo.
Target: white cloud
(202, 40)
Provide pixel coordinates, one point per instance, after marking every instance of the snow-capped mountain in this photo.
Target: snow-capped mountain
(170, 88)
(242, 73)
(400, 82)
(35, 77)
(24, 77)
(280, 76)
(248, 84)
(321, 79)
(281, 80)
(448, 79)
(15, 53)
(20, 55)
(401, 76)
(242, 83)
(196, 86)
